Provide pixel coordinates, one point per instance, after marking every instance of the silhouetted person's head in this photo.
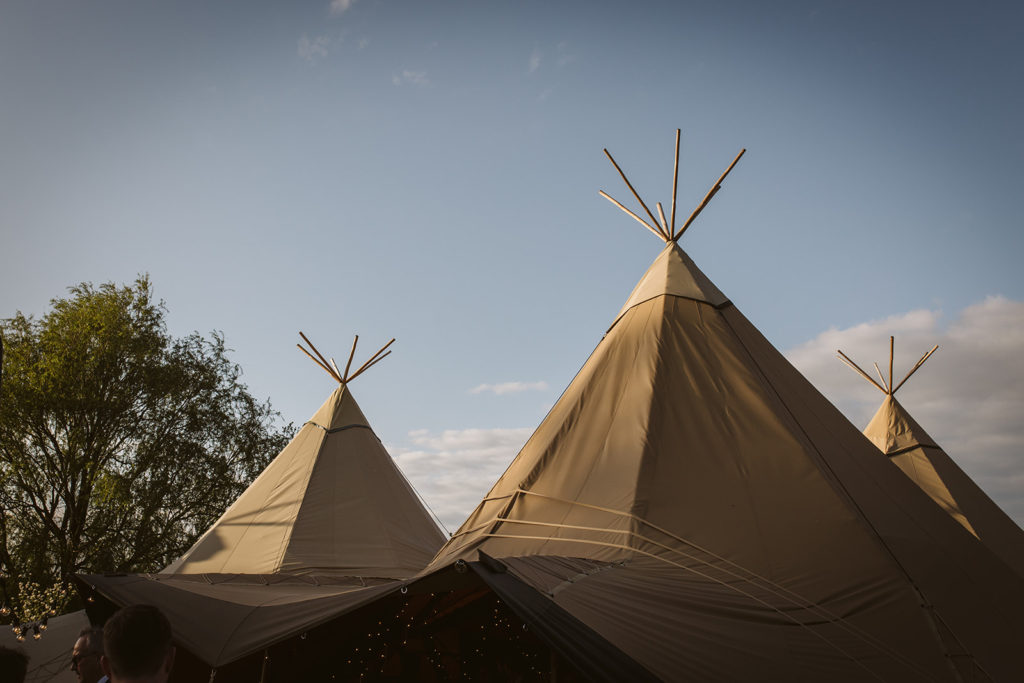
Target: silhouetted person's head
(85, 655)
(137, 645)
(13, 665)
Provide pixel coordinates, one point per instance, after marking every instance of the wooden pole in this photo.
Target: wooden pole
(335, 366)
(675, 185)
(661, 215)
(916, 366)
(711, 193)
(381, 350)
(892, 344)
(879, 371)
(635, 217)
(846, 359)
(326, 369)
(368, 365)
(350, 355)
(371, 359)
(320, 355)
(630, 186)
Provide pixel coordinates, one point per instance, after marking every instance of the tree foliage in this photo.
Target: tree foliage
(119, 443)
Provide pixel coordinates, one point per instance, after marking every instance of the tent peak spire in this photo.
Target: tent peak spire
(331, 368)
(666, 230)
(886, 387)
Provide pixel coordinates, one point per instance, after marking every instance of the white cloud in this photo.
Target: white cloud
(455, 468)
(969, 396)
(313, 49)
(339, 7)
(408, 77)
(535, 59)
(509, 387)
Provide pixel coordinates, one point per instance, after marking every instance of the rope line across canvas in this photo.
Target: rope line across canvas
(826, 615)
(795, 621)
(778, 590)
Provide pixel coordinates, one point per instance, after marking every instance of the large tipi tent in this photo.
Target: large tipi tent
(695, 502)
(910, 448)
(329, 525)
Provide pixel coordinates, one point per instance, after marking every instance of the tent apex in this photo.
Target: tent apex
(886, 387)
(331, 367)
(666, 229)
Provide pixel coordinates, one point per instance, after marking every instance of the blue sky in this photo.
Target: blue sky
(429, 171)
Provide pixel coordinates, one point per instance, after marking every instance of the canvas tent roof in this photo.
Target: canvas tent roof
(332, 502)
(733, 523)
(222, 618)
(909, 447)
(329, 525)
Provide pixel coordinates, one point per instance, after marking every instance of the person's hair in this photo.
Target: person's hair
(94, 636)
(136, 641)
(13, 664)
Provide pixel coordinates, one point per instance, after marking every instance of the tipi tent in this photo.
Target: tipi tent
(695, 502)
(328, 526)
(909, 447)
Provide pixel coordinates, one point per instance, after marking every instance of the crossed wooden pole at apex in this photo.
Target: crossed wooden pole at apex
(666, 230)
(885, 387)
(331, 368)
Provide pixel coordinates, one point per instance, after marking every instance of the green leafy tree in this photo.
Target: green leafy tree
(119, 443)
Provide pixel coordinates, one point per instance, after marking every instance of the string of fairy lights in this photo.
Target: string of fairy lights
(22, 629)
(42, 604)
(447, 636)
(451, 651)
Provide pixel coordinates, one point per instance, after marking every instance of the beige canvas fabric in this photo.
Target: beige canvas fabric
(332, 502)
(675, 274)
(744, 529)
(222, 618)
(900, 437)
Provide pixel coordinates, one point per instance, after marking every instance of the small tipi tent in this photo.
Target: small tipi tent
(695, 502)
(329, 525)
(909, 447)
(333, 502)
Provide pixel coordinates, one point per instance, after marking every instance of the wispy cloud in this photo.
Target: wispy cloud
(455, 468)
(969, 396)
(313, 49)
(509, 387)
(535, 59)
(339, 7)
(408, 77)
